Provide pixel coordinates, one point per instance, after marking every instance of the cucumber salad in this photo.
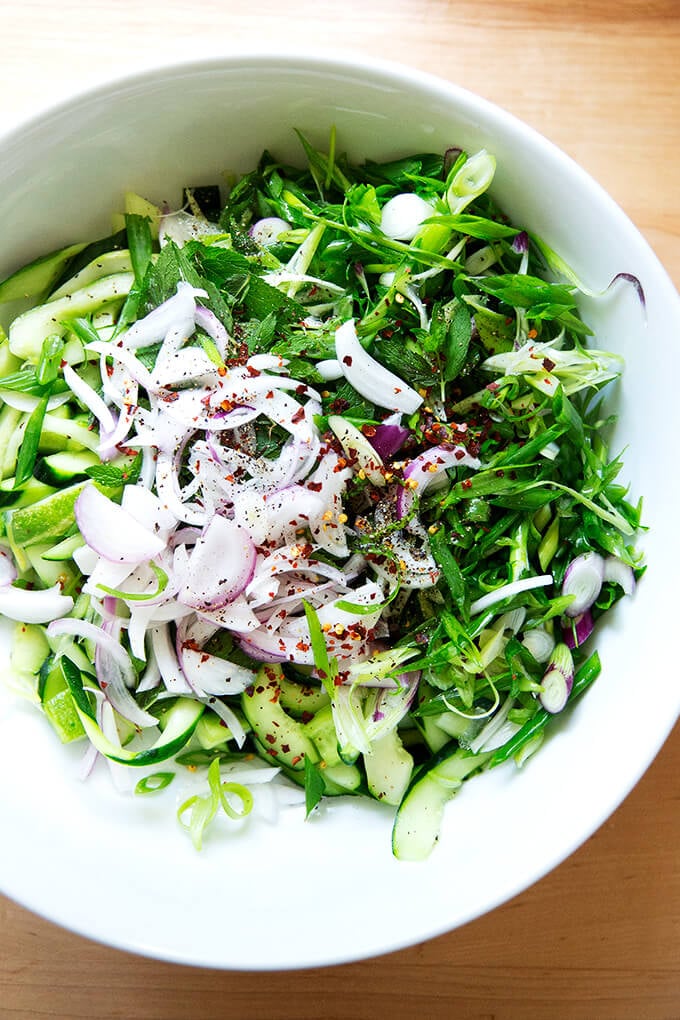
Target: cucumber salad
(309, 483)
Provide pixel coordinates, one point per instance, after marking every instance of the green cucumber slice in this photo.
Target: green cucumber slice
(180, 722)
(108, 264)
(419, 817)
(280, 739)
(38, 276)
(389, 767)
(63, 550)
(65, 466)
(28, 331)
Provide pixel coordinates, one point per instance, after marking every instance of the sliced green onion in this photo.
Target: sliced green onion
(154, 783)
(131, 596)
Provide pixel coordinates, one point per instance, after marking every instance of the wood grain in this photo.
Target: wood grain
(600, 936)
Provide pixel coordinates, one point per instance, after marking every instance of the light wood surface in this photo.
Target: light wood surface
(600, 936)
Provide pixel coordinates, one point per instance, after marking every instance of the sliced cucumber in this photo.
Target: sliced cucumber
(108, 264)
(46, 521)
(28, 331)
(8, 362)
(30, 648)
(389, 767)
(211, 732)
(58, 704)
(63, 550)
(137, 206)
(30, 492)
(419, 817)
(38, 276)
(179, 724)
(321, 729)
(302, 699)
(65, 467)
(52, 572)
(280, 739)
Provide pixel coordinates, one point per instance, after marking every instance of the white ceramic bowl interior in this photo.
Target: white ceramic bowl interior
(119, 869)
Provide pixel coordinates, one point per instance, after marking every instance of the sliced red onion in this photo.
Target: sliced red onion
(580, 630)
(368, 377)
(329, 369)
(360, 451)
(583, 579)
(389, 437)
(618, 572)
(539, 642)
(236, 616)
(188, 365)
(416, 566)
(8, 570)
(228, 716)
(507, 591)
(92, 401)
(219, 566)
(215, 329)
(29, 606)
(484, 741)
(278, 515)
(330, 533)
(112, 531)
(402, 216)
(166, 658)
(150, 678)
(558, 680)
(211, 675)
(262, 649)
(26, 402)
(177, 311)
(181, 227)
(267, 231)
(115, 671)
(428, 467)
(147, 510)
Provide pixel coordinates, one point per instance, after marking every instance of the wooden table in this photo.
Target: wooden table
(600, 937)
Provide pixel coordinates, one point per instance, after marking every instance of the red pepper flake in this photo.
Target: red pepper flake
(253, 372)
(298, 416)
(109, 369)
(270, 394)
(314, 486)
(222, 370)
(301, 389)
(296, 760)
(285, 748)
(270, 738)
(548, 365)
(368, 430)
(347, 360)
(307, 717)
(467, 483)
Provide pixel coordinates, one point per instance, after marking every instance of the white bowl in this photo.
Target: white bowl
(299, 894)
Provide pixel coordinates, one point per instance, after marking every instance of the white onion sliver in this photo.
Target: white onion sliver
(93, 402)
(8, 570)
(507, 591)
(112, 531)
(368, 377)
(34, 606)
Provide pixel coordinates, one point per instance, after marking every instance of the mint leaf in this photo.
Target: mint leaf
(314, 786)
(105, 474)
